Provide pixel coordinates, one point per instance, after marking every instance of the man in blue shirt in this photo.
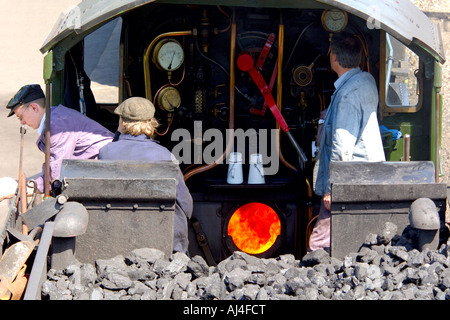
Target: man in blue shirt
(137, 126)
(350, 131)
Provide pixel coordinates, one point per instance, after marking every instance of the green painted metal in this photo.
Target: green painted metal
(48, 66)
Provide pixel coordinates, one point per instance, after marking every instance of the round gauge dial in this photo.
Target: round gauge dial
(169, 55)
(334, 20)
(169, 99)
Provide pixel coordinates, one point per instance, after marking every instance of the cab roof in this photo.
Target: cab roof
(400, 18)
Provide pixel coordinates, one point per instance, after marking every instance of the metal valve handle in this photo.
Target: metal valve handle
(245, 63)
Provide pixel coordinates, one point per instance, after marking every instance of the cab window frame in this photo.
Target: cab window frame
(385, 108)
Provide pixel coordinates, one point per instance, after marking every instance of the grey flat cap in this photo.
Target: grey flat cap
(136, 108)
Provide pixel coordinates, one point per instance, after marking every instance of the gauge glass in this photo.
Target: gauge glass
(170, 55)
(334, 20)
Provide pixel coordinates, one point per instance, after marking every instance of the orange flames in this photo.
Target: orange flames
(254, 227)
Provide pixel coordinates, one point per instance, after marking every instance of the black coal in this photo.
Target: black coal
(385, 268)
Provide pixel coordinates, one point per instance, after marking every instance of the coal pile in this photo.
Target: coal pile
(387, 267)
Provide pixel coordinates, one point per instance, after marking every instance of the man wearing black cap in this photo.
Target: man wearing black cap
(138, 127)
(72, 135)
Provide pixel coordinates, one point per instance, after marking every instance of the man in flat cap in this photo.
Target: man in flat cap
(72, 134)
(137, 126)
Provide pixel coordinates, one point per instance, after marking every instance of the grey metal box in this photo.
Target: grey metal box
(365, 195)
(130, 204)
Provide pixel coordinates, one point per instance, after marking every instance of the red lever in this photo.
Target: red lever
(245, 63)
(265, 51)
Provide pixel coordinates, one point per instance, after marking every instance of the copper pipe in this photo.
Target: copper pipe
(280, 90)
(309, 211)
(309, 230)
(148, 87)
(226, 15)
(309, 190)
(309, 218)
(231, 114)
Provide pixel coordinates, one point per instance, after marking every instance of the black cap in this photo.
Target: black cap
(26, 94)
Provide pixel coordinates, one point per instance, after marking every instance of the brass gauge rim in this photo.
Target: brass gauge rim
(166, 105)
(323, 20)
(303, 75)
(157, 49)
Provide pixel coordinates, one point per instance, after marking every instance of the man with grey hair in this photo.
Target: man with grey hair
(137, 127)
(350, 131)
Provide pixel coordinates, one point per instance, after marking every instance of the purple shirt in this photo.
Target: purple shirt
(72, 136)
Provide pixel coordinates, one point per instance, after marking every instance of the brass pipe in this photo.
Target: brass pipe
(309, 217)
(148, 87)
(309, 230)
(231, 113)
(309, 212)
(309, 188)
(280, 90)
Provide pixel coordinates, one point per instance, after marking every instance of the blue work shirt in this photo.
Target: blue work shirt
(144, 148)
(350, 131)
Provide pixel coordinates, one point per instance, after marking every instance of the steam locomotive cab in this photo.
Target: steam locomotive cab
(245, 131)
(193, 78)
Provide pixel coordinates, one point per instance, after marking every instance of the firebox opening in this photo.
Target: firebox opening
(254, 227)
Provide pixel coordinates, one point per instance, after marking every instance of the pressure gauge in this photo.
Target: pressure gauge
(169, 99)
(168, 55)
(334, 20)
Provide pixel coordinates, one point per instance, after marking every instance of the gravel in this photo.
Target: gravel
(387, 267)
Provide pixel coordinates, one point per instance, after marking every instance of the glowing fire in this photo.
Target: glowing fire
(254, 227)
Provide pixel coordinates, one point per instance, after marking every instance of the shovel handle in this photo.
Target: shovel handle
(23, 200)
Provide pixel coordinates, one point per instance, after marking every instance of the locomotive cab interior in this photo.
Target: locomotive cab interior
(184, 58)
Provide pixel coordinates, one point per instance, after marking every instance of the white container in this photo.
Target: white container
(235, 175)
(256, 172)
